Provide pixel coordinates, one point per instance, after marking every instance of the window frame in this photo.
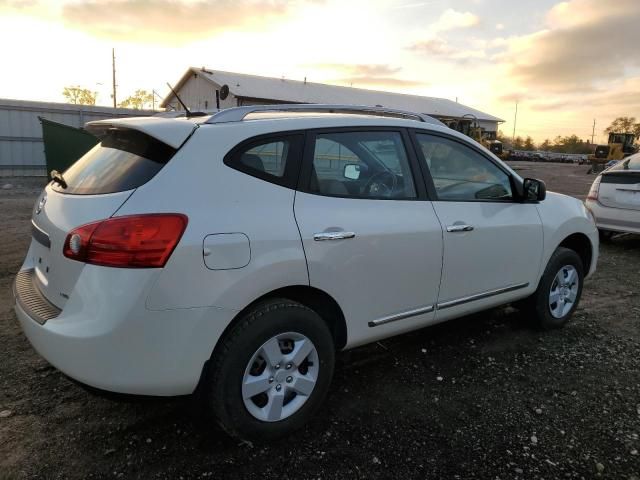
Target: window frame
(426, 173)
(289, 179)
(304, 185)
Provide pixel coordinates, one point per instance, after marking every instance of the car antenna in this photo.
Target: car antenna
(188, 113)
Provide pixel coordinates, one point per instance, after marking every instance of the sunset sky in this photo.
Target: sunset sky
(565, 62)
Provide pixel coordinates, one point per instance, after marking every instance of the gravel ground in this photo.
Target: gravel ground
(484, 397)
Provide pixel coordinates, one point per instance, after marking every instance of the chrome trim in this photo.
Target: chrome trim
(40, 235)
(31, 300)
(480, 296)
(237, 114)
(319, 237)
(401, 316)
(459, 228)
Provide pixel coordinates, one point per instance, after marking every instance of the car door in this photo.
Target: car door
(370, 235)
(492, 240)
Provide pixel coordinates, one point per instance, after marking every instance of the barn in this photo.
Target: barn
(204, 89)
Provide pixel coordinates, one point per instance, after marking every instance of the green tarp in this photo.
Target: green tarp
(63, 145)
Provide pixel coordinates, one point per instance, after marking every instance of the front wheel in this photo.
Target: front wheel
(559, 290)
(271, 372)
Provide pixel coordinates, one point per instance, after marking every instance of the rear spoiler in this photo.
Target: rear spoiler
(172, 132)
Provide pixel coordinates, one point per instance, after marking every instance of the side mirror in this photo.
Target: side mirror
(352, 171)
(534, 190)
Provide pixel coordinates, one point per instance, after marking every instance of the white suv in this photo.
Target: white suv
(233, 254)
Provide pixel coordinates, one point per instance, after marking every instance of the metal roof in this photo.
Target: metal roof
(295, 91)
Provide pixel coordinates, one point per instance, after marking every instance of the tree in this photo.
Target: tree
(138, 100)
(571, 144)
(545, 146)
(79, 96)
(528, 144)
(624, 125)
(518, 143)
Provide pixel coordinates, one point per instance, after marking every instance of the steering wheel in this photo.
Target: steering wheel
(376, 186)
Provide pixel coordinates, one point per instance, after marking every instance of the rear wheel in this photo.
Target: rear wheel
(271, 372)
(559, 290)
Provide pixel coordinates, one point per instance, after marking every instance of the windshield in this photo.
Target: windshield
(123, 160)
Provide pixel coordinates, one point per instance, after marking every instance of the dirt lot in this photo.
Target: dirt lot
(485, 397)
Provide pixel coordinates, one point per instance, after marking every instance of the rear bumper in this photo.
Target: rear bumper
(614, 219)
(106, 338)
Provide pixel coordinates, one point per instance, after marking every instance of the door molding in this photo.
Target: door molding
(480, 296)
(402, 315)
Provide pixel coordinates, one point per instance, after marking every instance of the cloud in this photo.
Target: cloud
(380, 81)
(380, 75)
(514, 97)
(360, 69)
(586, 42)
(438, 47)
(434, 46)
(169, 21)
(623, 100)
(452, 19)
(17, 4)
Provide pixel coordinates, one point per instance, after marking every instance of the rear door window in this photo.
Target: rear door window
(123, 160)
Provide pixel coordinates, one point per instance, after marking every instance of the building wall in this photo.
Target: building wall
(21, 146)
(199, 94)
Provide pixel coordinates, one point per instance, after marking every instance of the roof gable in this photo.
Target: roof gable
(295, 91)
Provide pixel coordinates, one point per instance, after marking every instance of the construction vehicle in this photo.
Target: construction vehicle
(495, 146)
(619, 146)
(470, 127)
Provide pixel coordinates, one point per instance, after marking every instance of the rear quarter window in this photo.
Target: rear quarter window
(123, 160)
(629, 163)
(274, 158)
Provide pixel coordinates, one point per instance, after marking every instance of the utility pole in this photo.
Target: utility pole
(515, 120)
(113, 71)
(593, 132)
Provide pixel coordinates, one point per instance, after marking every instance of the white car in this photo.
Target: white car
(614, 198)
(234, 254)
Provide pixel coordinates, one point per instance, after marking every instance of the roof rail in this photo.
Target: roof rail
(237, 114)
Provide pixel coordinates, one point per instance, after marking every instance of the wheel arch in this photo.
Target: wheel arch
(315, 299)
(580, 243)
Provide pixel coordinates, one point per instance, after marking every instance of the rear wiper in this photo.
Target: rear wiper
(57, 177)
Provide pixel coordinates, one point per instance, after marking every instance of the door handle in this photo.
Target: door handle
(319, 237)
(459, 228)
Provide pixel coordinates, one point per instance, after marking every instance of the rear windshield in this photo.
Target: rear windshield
(123, 160)
(629, 163)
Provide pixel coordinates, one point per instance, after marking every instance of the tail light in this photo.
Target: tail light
(595, 189)
(135, 241)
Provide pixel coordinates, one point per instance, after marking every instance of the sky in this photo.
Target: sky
(564, 63)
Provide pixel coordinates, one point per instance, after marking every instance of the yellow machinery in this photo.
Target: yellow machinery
(619, 146)
(495, 146)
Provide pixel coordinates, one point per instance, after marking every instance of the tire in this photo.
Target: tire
(269, 330)
(539, 306)
(605, 235)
